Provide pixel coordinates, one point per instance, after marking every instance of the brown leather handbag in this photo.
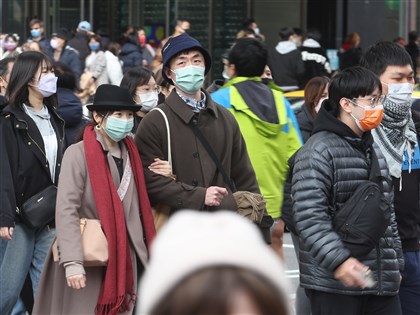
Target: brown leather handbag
(94, 244)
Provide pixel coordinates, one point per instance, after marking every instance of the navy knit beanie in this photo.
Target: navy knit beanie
(180, 43)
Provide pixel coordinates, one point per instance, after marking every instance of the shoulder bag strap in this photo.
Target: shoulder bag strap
(209, 149)
(168, 134)
(375, 169)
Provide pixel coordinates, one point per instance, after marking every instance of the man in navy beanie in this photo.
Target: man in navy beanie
(198, 184)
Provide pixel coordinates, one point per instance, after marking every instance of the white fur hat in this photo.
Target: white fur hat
(192, 240)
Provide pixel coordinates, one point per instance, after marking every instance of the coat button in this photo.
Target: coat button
(29, 143)
(46, 165)
(59, 164)
(194, 182)
(195, 154)
(17, 125)
(179, 202)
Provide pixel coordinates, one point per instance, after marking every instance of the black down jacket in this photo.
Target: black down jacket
(330, 166)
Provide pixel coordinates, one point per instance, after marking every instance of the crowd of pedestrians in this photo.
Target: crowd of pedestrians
(122, 133)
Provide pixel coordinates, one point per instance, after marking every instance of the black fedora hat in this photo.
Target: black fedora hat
(112, 97)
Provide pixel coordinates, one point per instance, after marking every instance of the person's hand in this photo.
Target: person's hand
(214, 196)
(90, 82)
(277, 238)
(6, 233)
(350, 273)
(82, 94)
(161, 167)
(77, 281)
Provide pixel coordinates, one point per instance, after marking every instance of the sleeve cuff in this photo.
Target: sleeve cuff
(74, 268)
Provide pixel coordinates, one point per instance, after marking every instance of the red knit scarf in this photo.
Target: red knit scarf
(117, 292)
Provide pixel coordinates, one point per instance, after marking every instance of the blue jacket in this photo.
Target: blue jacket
(70, 109)
(69, 57)
(131, 56)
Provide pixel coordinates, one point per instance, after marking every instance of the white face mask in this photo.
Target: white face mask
(398, 100)
(54, 43)
(399, 92)
(225, 74)
(318, 106)
(148, 101)
(257, 31)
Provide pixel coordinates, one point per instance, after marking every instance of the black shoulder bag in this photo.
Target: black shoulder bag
(39, 210)
(365, 216)
(250, 205)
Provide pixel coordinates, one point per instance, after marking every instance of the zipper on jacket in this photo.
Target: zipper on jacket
(378, 258)
(26, 125)
(39, 147)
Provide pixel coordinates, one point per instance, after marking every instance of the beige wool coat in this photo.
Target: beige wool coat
(74, 201)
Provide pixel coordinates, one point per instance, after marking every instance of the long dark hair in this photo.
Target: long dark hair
(24, 70)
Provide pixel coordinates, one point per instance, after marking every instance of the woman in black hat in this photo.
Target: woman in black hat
(101, 178)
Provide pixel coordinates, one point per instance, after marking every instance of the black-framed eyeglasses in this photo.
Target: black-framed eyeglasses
(372, 102)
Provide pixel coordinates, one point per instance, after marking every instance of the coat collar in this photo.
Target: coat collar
(177, 104)
(25, 123)
(236, 80)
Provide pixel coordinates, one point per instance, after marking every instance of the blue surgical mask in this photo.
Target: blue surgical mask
(189, 79)
(118, 128)
(94, 46)
(35, 32)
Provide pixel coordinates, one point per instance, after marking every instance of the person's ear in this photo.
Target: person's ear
(2, 82)
(97, 118)
(168, 72)
(231, 70)
(346, 105)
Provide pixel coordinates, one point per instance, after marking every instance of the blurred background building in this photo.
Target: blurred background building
(216, 22)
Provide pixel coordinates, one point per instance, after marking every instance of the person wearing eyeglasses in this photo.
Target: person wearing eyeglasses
(141, 84)
(339, 157)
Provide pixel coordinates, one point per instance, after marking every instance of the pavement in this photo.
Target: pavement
(292, 268)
